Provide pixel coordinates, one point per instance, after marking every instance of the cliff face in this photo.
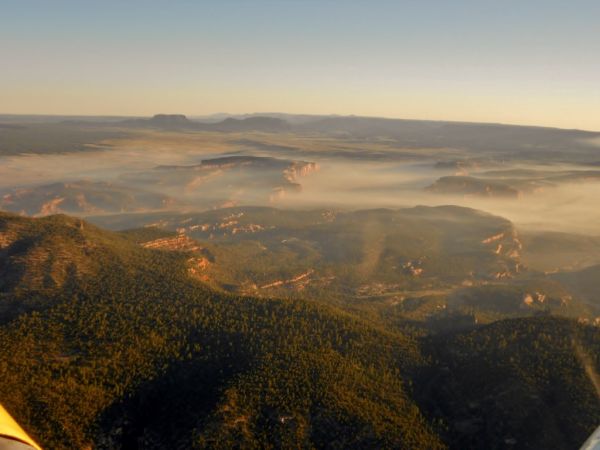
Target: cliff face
(299, 169)
(176, 243)
(237, 180)
(507, 246)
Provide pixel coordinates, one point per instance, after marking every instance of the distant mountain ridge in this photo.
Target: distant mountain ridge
(169, 121)
(229, 124)
(489, 139)
(437, 130)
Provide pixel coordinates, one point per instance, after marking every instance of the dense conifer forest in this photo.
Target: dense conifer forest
(106, 344)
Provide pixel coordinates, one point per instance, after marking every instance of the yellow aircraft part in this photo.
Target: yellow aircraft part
(11, 429)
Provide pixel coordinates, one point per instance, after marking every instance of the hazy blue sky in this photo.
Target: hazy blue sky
(517, 61)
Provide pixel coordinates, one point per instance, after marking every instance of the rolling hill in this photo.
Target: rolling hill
(82, 197)
(86, 366)
(124, 349)
(414, 246)
(510, 384)
(428, 263)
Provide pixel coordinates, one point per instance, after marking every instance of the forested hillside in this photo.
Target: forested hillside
(139, 352)
(523, 383)
(107, 344)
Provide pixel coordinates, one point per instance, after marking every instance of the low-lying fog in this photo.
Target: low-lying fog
(566, 207)
(101, 165)
(340, 183)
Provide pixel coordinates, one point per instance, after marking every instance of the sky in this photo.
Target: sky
(532, 62)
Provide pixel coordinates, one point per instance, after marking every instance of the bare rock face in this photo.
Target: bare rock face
(507, 246)
(413, 268)
(233, 180)
(299, 169)
(298, 281)
(177, 243)
(200, 257)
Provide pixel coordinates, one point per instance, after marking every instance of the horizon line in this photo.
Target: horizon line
(267, 114)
